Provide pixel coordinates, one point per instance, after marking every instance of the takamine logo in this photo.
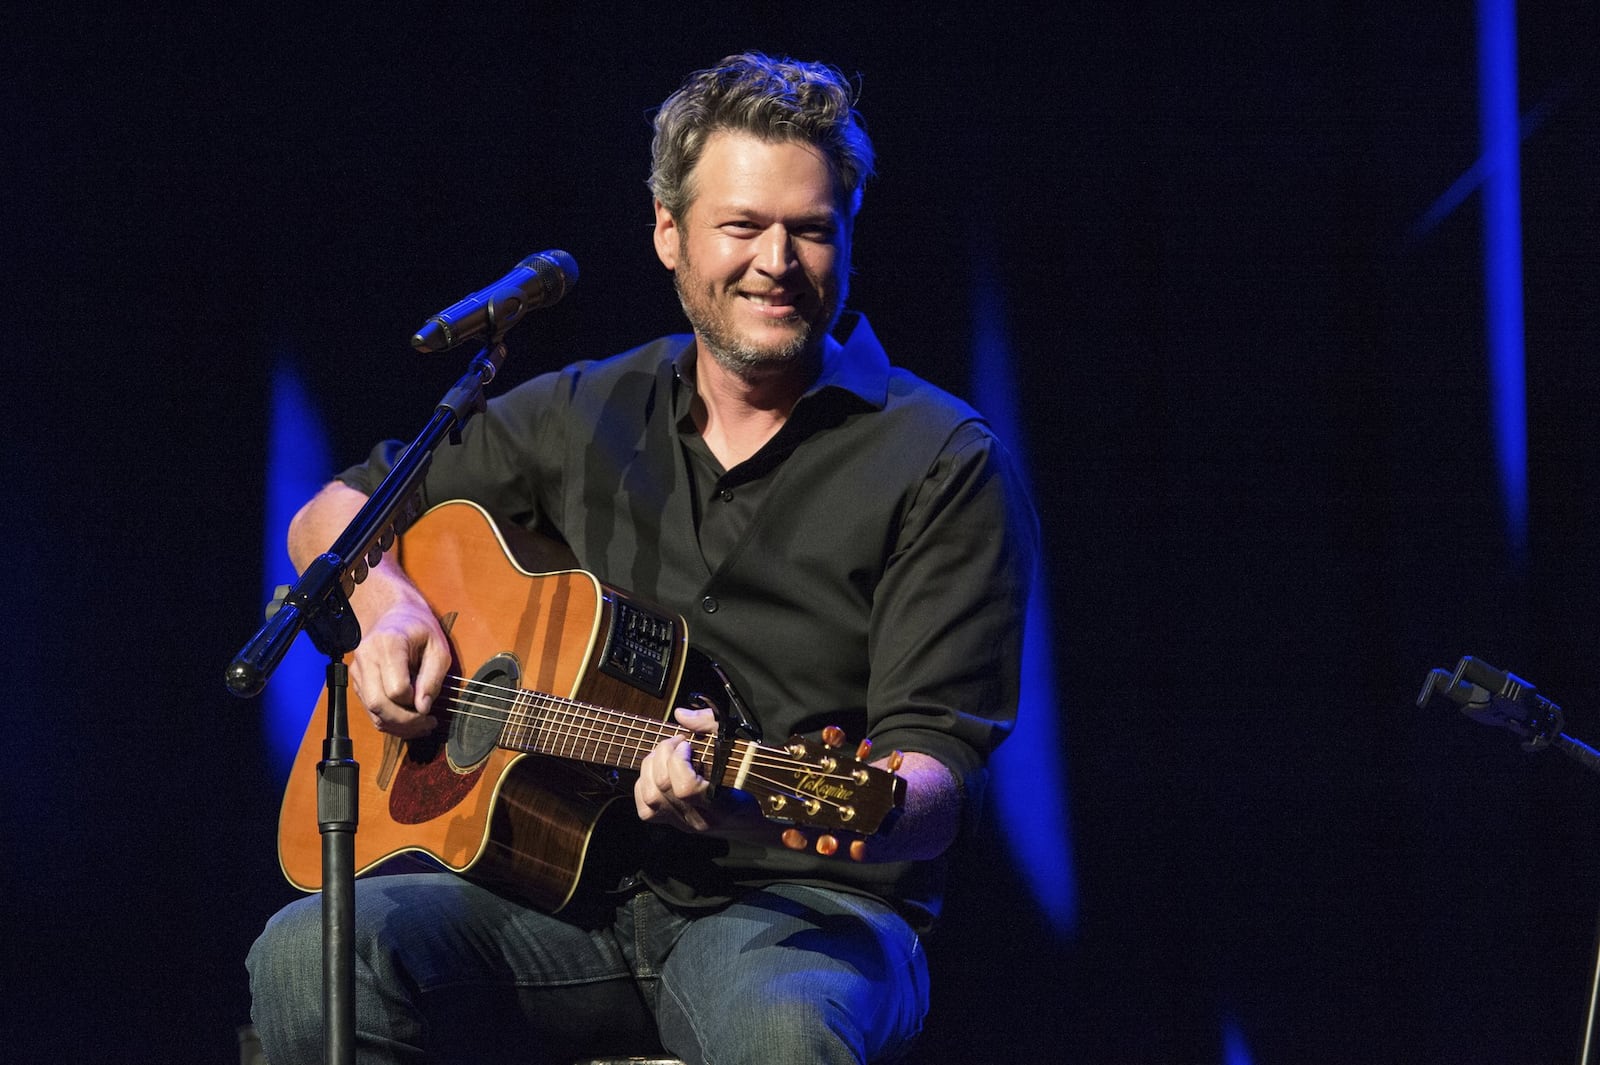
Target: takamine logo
(823, 788)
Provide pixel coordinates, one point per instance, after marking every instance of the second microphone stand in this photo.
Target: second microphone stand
(1496, 697)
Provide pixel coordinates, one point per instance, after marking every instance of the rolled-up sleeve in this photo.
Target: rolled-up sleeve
(947, 618)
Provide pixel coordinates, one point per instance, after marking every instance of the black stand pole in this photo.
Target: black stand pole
(338, 795)
(318, 603)
(1495, 697)
(1594, 997)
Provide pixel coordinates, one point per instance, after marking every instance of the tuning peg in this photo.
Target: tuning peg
(894, 761)
(863, 749)
(858, 850)
(794, 839)
(827, 845)
(833, 736)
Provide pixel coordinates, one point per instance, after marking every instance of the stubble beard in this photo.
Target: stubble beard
(734, 353)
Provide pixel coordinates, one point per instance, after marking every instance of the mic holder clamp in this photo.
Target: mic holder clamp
(466, 398)
(1492, 696)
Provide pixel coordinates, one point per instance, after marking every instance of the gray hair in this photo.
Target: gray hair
(774, 99)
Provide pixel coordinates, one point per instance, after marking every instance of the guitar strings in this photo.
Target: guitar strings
(566, 720)
(571, 729)
(570, 710)
(507, 710)
(562, 717)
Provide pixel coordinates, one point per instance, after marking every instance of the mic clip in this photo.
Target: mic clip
(1492, 696)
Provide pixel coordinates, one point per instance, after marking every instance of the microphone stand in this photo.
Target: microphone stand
(1495, 697)
(319, 604)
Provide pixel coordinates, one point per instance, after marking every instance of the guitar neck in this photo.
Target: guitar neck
(563, 728)
(803, 782)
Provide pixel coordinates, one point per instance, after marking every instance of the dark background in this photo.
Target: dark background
(1254, 398)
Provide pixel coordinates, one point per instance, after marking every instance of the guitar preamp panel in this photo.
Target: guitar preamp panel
(639, 646)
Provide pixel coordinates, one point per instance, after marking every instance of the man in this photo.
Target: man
(849, 541)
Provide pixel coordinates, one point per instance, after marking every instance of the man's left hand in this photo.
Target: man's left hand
(669, 790)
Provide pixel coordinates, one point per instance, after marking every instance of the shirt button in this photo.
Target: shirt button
(709, 604)
(726, 495)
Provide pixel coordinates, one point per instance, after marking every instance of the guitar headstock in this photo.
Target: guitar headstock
(820, 785)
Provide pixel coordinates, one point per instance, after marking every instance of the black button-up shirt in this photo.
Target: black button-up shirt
(867, 568)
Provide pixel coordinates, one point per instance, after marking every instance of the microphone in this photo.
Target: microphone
(537, 281)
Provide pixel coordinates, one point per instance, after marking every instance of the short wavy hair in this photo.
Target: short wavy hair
(774, 99)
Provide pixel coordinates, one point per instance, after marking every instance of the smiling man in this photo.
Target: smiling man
(760, 255)
(851, 543)
(759, 259)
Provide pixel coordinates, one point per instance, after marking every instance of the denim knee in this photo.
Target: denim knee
(285, 967)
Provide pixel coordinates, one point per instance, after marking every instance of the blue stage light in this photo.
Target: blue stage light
(297, 465)
(1029, 788)
(1502, 220)
(1234, 1049)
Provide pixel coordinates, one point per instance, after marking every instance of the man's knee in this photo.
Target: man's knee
(285, 969)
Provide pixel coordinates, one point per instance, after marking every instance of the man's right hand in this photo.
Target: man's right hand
(402, 662)
(399, 668)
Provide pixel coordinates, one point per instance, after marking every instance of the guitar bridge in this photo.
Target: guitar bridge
(639, 647)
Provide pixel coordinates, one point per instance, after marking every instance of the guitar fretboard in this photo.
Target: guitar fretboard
(797, 783)
(536, 723)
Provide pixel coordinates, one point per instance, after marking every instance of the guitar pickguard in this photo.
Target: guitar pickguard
(437, 772)
(426, 785)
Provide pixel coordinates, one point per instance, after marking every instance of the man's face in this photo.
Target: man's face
(761, 257)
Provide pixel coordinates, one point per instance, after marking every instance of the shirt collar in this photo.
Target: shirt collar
(856, 364)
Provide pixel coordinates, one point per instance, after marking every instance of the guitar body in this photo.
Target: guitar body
(523, 823)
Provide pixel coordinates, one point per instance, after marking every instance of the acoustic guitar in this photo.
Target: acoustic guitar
(561, 685)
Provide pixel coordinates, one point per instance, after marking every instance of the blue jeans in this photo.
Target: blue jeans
(446, 970)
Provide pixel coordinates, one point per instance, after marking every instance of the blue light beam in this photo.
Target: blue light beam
(1497, 174)
(1029, 777)
(297, 465)
(1235, 1050)
(1502, 221)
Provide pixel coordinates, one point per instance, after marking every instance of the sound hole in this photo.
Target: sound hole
(481, 712)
